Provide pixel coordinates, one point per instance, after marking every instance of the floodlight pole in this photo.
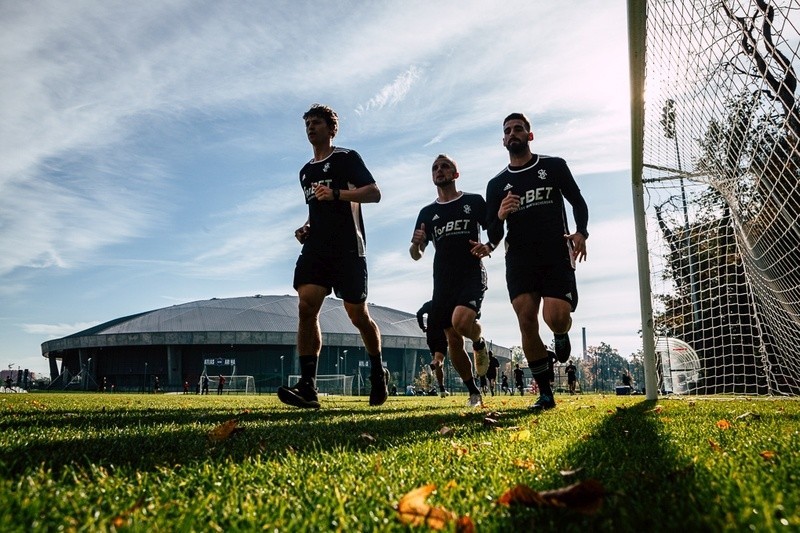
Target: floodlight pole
(282, 370)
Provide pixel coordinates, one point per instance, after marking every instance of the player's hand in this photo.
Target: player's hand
(419, 238)
(510, 204)
(480, 250)
(301, 233)
(323, 193)
(578, 246)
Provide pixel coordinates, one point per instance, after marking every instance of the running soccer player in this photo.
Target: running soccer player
(437, 344)
(453, 223)
(335, 183)
(528, 197)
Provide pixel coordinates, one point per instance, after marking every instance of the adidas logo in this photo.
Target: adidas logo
(473, 303)
(507, 187)
(435, 217)
(568, 296)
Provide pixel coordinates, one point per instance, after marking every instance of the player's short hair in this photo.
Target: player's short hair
(447, 158)
(327, 114)
(519, 116)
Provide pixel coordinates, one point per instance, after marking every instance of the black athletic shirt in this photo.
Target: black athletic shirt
(537, 229)
(450, 226)
(337, 227)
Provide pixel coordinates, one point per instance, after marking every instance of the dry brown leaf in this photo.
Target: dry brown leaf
(366, 437)
(586, 497)
(121, 520)
(224, 431)
(723, 424)
(657, 409)
(415, 511)
(451, 484)
(464, 525)
(527, 464)
(446, 431)
(749, 414)
(714, 446)
(490, 422)
(768, 455)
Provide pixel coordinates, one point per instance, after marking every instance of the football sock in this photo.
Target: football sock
(308, 369)
(471, 387)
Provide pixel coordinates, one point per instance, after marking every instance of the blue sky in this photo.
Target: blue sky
(150, 150)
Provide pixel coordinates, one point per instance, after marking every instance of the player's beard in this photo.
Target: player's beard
(517, 147)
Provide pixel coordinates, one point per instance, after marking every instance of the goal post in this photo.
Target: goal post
(340, 384)
(233, 384)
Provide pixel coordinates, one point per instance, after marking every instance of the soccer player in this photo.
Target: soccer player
(572, 376)
(453, 223)
(527, 199)
(437, 343)
(335, 183)
(491, 373)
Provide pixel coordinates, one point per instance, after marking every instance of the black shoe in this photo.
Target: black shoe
(544, 403)
(379, 391)
(562, 346)
(301, 395)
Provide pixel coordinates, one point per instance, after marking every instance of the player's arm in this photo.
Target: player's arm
(477, 248)
(580, 212)
(301, 233)
(495, 227)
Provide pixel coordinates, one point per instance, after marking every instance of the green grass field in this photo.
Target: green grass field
(92, 462)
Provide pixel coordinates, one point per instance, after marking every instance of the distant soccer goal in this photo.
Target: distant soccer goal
(233, 384)
(330, 383)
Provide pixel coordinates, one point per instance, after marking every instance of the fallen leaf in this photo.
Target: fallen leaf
(366, 437)
(568, 473)
(415, 511)
(494, 414)
(121, 520)
(768, 455)
(224, 431)
(585, 497)
(723, 424)
(527, 464)
(748, 414)
(714, 446)
(657, 409)
(520, 436)
(451, 484)
(464, 525)
(490, 422)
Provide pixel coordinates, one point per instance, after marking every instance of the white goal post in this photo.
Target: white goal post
(329, 383)
(233, 384)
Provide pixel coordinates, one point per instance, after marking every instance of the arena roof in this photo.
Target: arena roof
(244, 320)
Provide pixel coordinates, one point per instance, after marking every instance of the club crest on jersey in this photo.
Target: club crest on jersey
(328, 166)
(542, 174)
(467, 209)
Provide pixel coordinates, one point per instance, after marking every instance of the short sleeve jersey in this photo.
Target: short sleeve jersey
(336, 227)
(537, 229)
(450, 226)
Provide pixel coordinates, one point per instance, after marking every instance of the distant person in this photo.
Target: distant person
(204, 384)
(491, 373)
(572, 376)
(156, 385)
(528, 199)
(437, 344)
(335, 183)
(9, 384)
(504, 386)
(519, 379)
(186, 387)
(221, 384)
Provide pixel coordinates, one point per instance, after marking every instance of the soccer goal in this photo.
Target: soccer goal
(329, 383)
(233, 384)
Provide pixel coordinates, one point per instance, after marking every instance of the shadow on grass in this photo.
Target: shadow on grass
(145, 438)
(650, 485)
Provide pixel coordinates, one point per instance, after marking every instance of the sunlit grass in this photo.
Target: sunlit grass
(144, 462)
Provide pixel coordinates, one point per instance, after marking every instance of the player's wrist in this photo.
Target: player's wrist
(336, 193)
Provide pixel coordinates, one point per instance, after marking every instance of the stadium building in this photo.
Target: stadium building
(247, 336)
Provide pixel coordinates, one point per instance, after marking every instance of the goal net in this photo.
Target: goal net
(329, 383)
(721, 181)
(233, 384)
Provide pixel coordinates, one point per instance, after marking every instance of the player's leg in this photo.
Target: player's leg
(463, 365)
(526, 307)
